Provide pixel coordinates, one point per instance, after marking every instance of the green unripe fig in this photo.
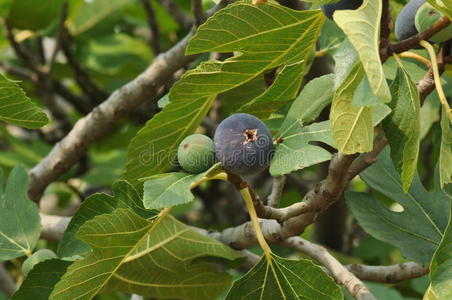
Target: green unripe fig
(196, 153)
(36, 258)
(425, 17)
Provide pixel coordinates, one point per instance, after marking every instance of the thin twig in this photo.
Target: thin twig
(60, 32)
(153, 26)
(83, 79)
(413, 41)
(186, 21)
(198, 13)
(277, 190)
(388, 274)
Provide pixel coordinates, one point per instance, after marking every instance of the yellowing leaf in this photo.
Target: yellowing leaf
(352, 125)
(362, 27)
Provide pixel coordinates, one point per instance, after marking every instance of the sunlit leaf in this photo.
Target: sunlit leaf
(351, 125)
(280, 278)
(362, 27)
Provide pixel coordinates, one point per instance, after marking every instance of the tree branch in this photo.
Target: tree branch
(343, 276)
(53, 227)
(83, 79)
(198, 13)
(413, 41)
(388, 274)
(98, 122)
(277, 190)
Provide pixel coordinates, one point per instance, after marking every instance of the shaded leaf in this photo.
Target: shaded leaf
(32, 14)
(116, 54)
(233, 99)
(445, 152)
(364, 96)
(362, 27)
(402, 127)
(284, 89)
(441, 268)
(16, 108)
(280, 278)
(20, 225)
(351, 125)
(123, 243)
(89, 13)
(267, 36)
(418, 229)
(125, 196)
(42, 278)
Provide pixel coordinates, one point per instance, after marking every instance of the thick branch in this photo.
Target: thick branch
(53, 227)
(388, 274)
(343, 276)
(97, 123)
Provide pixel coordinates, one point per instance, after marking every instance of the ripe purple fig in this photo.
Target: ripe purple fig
(243, 144)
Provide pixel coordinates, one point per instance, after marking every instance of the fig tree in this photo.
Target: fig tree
(243, 144)
(196, 153)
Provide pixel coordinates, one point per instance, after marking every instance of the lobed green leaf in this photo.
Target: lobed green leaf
(123, 243)
(419, 228)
